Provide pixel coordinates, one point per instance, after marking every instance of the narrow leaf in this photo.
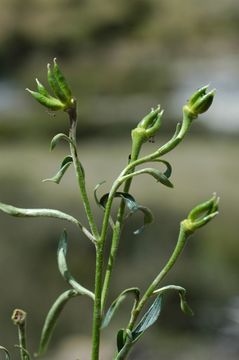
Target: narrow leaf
(184, 305)
(59, 137)
(7, 355)
(19, 212)
(63, 268)
(132, 206)
(148, 218)
(163, 178)
(64, 166)
(120, 339)
(96, 196)
(182, 295)
(116, 303)
(52, 317)
(148, 319)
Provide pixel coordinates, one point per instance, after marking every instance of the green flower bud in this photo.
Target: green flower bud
(63, 99)
(201, 214)
(149, 125)
(150, 119)
(200, 101)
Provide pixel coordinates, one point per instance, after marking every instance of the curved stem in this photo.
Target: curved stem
(169, 146)
(183, 235)
(173, 258)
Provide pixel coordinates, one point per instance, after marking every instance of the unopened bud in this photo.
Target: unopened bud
(62, 99)
(149, 125)
(201, 214)
(200, 101)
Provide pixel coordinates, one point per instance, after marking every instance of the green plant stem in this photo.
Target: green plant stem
(97, 303)
(166, 148)
(170, 263)
(136, 146)
(183, 235)
(22, 341)
(134, 161)
(80, 174)
(102, 291)
(100, 295)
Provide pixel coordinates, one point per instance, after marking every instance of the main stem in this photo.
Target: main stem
(136, 146)
(101, 291)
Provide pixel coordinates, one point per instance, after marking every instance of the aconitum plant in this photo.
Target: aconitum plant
(147, 303)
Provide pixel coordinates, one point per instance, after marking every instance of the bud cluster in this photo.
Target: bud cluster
(63, 99)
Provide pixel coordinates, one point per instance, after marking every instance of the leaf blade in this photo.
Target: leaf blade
(149, 318)
(116, 303)
(67, 161)
(52, 317)
(63, 268)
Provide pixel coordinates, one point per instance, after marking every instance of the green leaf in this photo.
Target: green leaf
(64, 166)
(59, 137)
(124, 337)
(148, 218)
(52, 317)
(120, 339)
(19, 212)
(184, 305)
(132, 206)
(182, 295)
(116, 303)
(7, 355)
(63, 268)
(148, 319)
(163, 178)
(96, 196)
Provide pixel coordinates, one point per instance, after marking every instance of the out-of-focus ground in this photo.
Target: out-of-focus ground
(121, 59)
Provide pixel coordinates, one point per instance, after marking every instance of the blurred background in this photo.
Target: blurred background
(122, 58)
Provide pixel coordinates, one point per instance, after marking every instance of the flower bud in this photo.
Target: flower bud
(201, 214)
(200, 101)
(63, 99)
(149, 125)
